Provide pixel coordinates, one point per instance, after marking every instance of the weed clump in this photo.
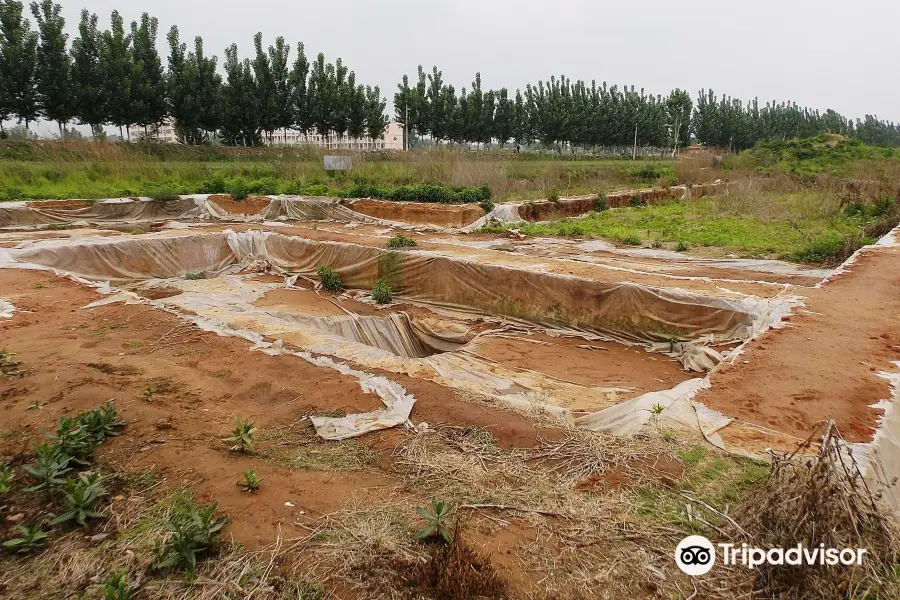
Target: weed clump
(381, 293)
(631, 240)
(193, 530)
(401, 241)
(601, 204)
(80, 496)
(195, 276)
(31, 538)
(330, 279)
(116, 587)
(815, 501)
(682, 246)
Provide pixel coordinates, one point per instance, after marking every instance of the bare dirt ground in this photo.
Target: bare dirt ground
(179, 390)
(826, 364)
(248, 206)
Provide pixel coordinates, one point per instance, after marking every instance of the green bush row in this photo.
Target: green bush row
(422, 193)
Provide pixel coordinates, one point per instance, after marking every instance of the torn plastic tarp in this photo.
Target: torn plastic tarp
(6, 309)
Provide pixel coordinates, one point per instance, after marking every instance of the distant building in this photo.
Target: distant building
(392, 140)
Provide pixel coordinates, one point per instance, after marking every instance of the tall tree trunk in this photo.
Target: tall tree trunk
(634, 148)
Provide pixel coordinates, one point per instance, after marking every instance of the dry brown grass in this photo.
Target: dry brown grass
(817, 495)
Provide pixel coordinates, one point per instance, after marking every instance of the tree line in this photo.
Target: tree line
(561, 114)
(116, 77)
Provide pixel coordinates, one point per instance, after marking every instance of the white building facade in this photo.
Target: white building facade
(392, 140)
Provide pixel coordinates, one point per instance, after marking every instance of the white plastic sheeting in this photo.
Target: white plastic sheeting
(627, 312)
(882, 455)
(6, 309)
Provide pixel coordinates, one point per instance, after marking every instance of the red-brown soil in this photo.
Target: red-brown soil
(551, 211)
(825, 366)
(446, 215)
(76, 359)
(615, 365)
(248, 206)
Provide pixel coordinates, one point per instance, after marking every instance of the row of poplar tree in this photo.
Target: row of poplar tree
(116, 77)
(559, 113)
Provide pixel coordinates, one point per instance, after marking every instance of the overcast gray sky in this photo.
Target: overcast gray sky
(819, 53)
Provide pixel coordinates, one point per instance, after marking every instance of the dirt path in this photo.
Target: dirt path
(181, 395)
(825, 366)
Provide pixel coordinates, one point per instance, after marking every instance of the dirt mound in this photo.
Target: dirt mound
(420, 213)
(550, 211)
(248, 206)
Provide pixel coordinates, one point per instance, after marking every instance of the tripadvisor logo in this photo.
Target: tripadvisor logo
(696, 555)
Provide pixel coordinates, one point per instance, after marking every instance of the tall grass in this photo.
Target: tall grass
(97, 170)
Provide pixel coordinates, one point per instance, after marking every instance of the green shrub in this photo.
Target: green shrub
(195, 276)
(163, 193)
(215, 184)
(637, 200)
(682, 246)
(401, 241)
(267, 186)
(571, 229)
(238, 189)
(330, 279)
(553, 196)
(884, 206)
(381, 293)
(486, 205)
(822, 249)
(631, 240)
(601, 204)
(80, 495)
(193, 531)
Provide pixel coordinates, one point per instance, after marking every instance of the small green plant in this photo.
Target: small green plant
(6, 479)
(601, 204)
(381, 293)
(553, 196)
(192, 531)
(657, 409)
(401, 241)
(250, 482)
(195, 276)
(75, 440)
(637, 201)
(682, 246)
(330, 279)
(669, 436)
(50, 468)
(238, 189)
(631, 240)
(436, 520)
(116, 587)
(80, 495)
(657, 243)
(102, 422)
(486, 205)
(31, 538)
(39, 286)
(242, 435)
